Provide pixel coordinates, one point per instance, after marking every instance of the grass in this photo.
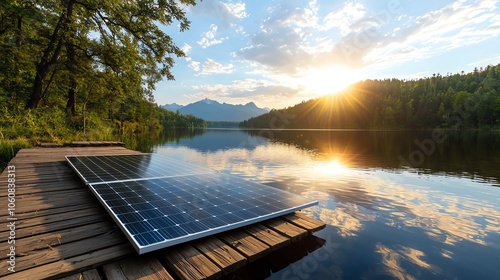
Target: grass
(9, 148)
(31, 127)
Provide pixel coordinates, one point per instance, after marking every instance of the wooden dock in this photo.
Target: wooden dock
(62, 231)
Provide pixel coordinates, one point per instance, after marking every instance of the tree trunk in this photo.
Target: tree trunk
(71, 105)
(36, 94)
(84, 112)
(50, 57)
(19, 37)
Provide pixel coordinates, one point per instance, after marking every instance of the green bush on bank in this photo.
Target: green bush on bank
(55, 126)
(9, 148)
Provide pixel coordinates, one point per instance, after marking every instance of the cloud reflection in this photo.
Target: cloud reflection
(348, 219)
(402, 198)
(447, 210)
(393, 260)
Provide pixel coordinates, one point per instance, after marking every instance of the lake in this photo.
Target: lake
(398, 205)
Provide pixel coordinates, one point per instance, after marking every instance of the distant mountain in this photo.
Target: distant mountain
(211, 110)
(172, 107)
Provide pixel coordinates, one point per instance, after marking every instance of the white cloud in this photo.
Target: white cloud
(457, 25)
(281, 44)
(345, 18)
(186, 48)
(236, 9)
(241, 30)
(195, 65)
(226, 12)
(212, 67)
(290, 40)
(209, 38)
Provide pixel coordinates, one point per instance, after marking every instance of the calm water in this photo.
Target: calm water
(397, 205)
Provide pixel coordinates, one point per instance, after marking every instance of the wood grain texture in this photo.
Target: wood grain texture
(188, 263)
(220, 253)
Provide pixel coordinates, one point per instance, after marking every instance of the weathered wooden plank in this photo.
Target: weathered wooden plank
(287, 229)
(29, 173)
(64, 216)
(188, 263)
(40, 155)
(91, 274)
(143, 267)
(305, 222)
(96, 143)
(36, 187)
(86, 275)
(72, 264)
(31, 176)
(42, 167)
(77, 276)
(66, 250)
(113, 271)
(54, 239)
(49, 145)
(73, 195)
(246, 244)
(268, 236)
(221, 254)
(28, 203)
(57, 226)
(51, 211)
(34, 177)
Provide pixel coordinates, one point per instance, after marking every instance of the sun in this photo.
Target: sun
(322, 81)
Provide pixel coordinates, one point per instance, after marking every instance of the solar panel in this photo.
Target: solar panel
(95, 169)
(160, 211)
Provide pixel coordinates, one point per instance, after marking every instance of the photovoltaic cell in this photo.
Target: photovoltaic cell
(95, 169)
(162, 205)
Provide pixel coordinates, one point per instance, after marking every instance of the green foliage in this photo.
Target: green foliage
(85, 70)
(455, 101)
(37, 125)
(9, 148)
(169, 119)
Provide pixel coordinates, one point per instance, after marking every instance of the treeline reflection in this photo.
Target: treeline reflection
(473, 154)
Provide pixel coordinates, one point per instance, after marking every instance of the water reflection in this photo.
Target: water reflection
(439, 221)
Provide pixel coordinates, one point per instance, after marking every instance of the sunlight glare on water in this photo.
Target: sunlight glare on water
(383, 221)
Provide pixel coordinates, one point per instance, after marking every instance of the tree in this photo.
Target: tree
(20, 22)
(126, 36)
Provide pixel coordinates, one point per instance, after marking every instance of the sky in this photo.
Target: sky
(280, 53)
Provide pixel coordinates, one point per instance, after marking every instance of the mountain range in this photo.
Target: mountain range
(211, 110)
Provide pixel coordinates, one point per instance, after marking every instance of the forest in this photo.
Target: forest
(455, 101)
(86, 69)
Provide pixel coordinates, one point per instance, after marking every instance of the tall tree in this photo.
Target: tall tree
(18, 23)
(52, 52)
(126, 35)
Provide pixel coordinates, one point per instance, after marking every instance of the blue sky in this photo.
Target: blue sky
(279, 53)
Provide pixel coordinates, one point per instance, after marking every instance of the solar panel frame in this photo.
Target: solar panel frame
(199, 205)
